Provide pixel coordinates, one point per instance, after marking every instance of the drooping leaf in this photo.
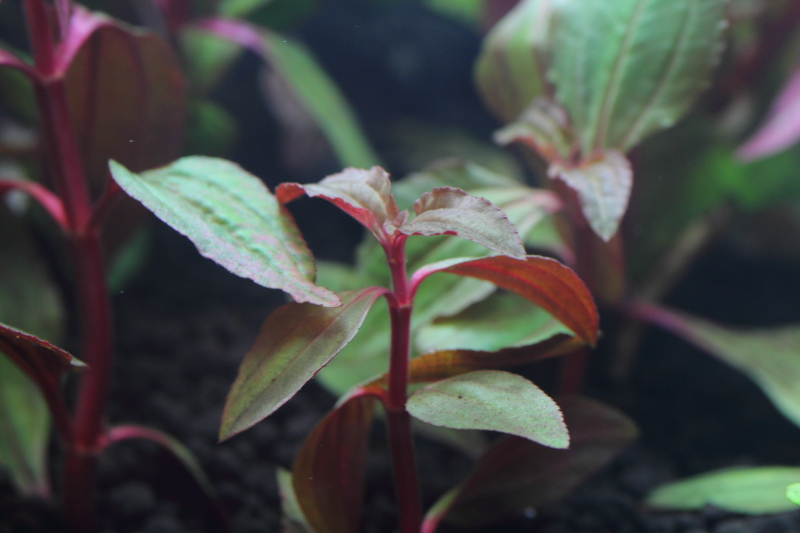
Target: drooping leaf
(492, 400)
(24, 430)
(499, 321)
(294, 521)
(517, 474)
(444, 364)
(312, 87)
(328, 473)
(757, 490)
(233, 219)
(781, 129)
(446, 210)
(544, 281)
(544, 128)
(767, 356)
(603, 183)
(511, 68)
(295, 341)
(125, 92)
(628, 68)
(365, 195)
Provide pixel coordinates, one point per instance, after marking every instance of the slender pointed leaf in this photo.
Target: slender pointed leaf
(493, 400)
(294, 521)
(511, 69)
(767, 356)
(365, 195)
(295, 341)
(628, 68)
(757, 490)
(543, 281)
(126, 95)
(517, 474)
(781, 129)
(501, 320)
(311, 86)
(328, 473)
(233, 219)
(603, 184)
(446, 210)
(444, 364)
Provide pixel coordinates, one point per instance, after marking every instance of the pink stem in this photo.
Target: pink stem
(398, 420)
(49, 201)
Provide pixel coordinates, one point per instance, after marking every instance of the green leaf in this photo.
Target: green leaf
(517, 474)
(793, 493)
(497, 322)
(233, 219)
(446, 210)
(295, 341)
(627, 68)
(328, 473)
(24, 430)
(211, 130)
(541, 280)
(468, 11)
(543, 127)
(294, 521)
(510, 70)
(208, 57)
(738, 490)
(365, 195)
(603, 183)
(491, 400)
(240, 8)
(767, 356)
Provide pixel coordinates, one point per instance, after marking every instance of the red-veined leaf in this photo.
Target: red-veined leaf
(43, 362)
(544, 281)
(444, 364)
(232, 219)
(603, 183)
(295, 341)
(451, 211)
(492, 400)
(517, 474)
(781, 129)
(365, 195)
(328, 473)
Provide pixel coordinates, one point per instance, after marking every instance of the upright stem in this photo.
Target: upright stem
(84, 244)
(398, 419)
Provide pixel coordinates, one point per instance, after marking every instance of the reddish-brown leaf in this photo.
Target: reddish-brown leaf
(328, 473)
(451, 211)
(544, 281)
(363, 194)
(43, 362)
(518, 474)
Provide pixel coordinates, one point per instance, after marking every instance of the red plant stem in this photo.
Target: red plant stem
(398, 420)
(84, 245)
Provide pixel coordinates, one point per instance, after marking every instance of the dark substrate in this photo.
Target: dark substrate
(185, 323)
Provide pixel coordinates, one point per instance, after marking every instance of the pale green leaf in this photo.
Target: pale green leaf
(295, 341)
(757, 490)
(207, 56)
(491, 400)
(626, 68)
(793, 493)
(233, 219)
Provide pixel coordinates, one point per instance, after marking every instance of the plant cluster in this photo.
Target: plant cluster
(578, 86)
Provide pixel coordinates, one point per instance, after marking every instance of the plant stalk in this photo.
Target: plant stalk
(398, 420)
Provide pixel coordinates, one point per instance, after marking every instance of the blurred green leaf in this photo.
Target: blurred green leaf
(757, 490)
(491, 400)
(627, 68)
(469, 11)
(240, 8)
(293, 519)
(211, 129)
(793, 493)
(208, 57)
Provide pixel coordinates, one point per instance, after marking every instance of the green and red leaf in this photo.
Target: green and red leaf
(491, 400)
(232, 219)
(544, 281)
(518, 474)
(328, 473)
(365, 195)
(451, 211)
(295, 341)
